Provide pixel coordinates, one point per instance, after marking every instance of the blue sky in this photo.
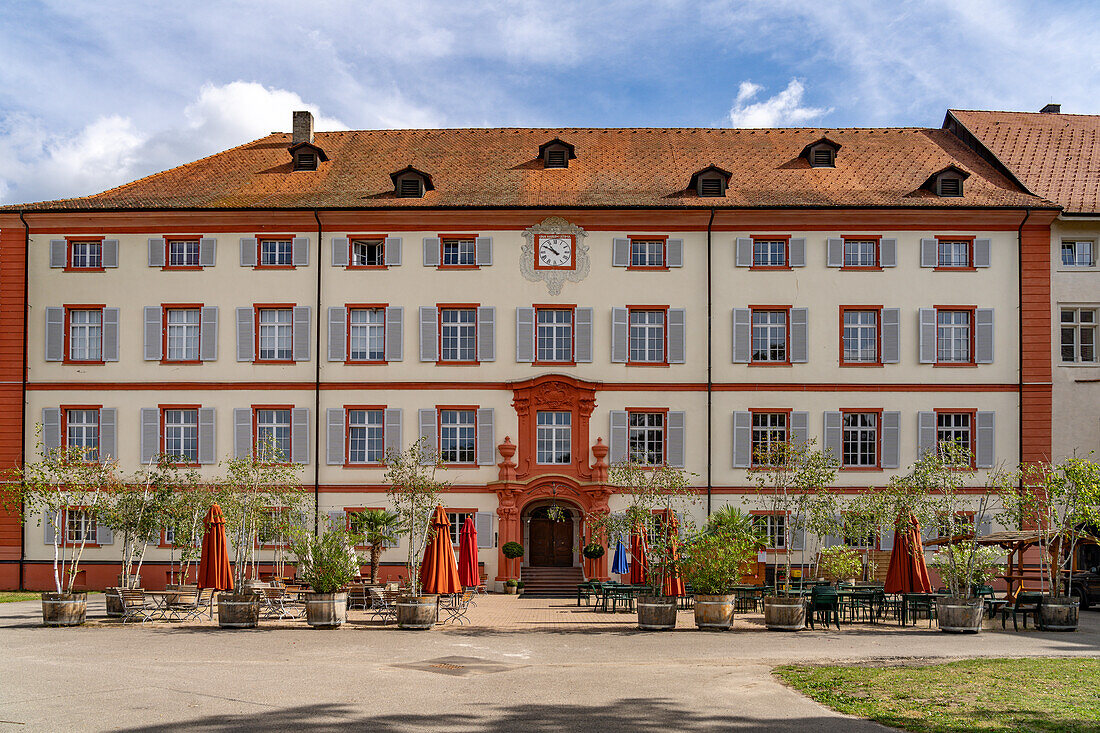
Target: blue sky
(94, 94)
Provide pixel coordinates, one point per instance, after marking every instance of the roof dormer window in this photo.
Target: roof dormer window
(409, 183)
(947, 183)
(950, 186)
(411, 188)
(821, 153)
(556, 154)
(710, 182)
(306, 156)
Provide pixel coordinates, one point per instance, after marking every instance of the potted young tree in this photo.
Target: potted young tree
(377, 529)
(328, 563)
(710, 564)
(188, 503)
(839, 563)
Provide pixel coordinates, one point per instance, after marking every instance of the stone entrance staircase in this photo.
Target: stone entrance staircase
(551, 582)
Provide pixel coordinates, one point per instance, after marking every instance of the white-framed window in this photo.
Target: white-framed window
(457, 519)
(183, 253)
(273, 527)
(82, 431)
(954, 427)
(953, 253)
(458, 334)
(273, 434)
(86, 255)
(774, 527)
(276, 252)
(1078, 253)
(860, 253)
(852, 538)
(769, 253)
(647, 253)
(86, 335)
(80, 526)
(861, 336)
(368, 253)
(181, 434)
(182, 326)
(647, 336)
(458, 252)
(457, 436)
(860, 440)
(366, 436)
(953, 336)
(769, 335)
(1078, 328)
(554, 334)
(769, 431)
(647, 438)
(367, 334)
(554, 437)
(276, 334)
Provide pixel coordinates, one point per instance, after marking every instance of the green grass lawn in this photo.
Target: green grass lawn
(19, 595)
(970, 695)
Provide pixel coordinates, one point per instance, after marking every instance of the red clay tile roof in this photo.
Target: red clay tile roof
(1056, 156)
(613, 168)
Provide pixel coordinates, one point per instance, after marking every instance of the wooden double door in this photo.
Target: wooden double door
(551, 541)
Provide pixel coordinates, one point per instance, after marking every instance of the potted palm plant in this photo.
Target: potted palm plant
(710, 564)
(328, 563)
(377, 529)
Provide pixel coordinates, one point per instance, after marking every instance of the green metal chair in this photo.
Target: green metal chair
(824, 603)
(1028, 603)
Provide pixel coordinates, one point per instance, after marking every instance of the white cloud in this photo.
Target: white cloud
(785, 108)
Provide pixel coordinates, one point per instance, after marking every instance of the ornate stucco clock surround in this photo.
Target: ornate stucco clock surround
(552, 236)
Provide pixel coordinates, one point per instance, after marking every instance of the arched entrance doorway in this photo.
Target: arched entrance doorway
(551, 538)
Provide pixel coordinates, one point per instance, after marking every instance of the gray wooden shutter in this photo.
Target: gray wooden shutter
(303, 321)
(891, 439)
(483, 525)
(620, 335)
(55, 334)
(299, 251)
(929, 253)
(208, 252)
(391, 430)
(798, 538)
(49, 526)
(486, 334)
(51, 428)
(926, 319)
(886, 538)
(743, 252)
(104, 535)
(983, 525)
(395, 333)
(392, 251)
(242, 432)
(742, 336)
(59, 252)
(208, 436)
(340, 251)
(483, 251)
(983, 336)
(110, 253)
(676, 426)
(800, 335)
(525, 335)
(800, 427)
(834, 432)
(618, 436)
(888, 252)
(208, 333)
(582, 336)
(337, 333)
(110, 334)
(675, 253)
(926, 433)
(153, 332)
(429, 334)
(156, 251)
(248, 251)
(742, 439)
(620, 252)
(108, 434)
(429, 435)
(299, 435)
(334, 444)
(337, 520)
(431, 252)
(982, 252)
(486, 437)
(797, 248)
(891, 335)
(986, 438)
(150, 434)
(677, 335)
(834, 252)
(832, 537)
(246, 341)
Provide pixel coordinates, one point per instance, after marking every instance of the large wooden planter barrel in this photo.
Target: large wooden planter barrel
(417, 612)
(129, 581)
(714, 612)
(64, 609)
(326, 610)
(114, 602)
(960, 615)
(1059, 614)
(238, 611)
(656, 614)
(784, 614)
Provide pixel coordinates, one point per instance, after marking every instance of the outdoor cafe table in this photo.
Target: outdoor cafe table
(161, 600)
(907, 598)
(849, 595)
(630, 591)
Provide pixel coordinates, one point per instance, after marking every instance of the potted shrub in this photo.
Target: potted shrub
(710, 564)
(512, 550)
(328, 563)
(978, 566)
(511, 587)
(593, 551)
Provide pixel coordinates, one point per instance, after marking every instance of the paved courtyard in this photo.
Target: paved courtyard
(521, 665)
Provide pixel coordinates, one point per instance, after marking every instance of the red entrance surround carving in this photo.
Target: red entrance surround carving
(559, 393)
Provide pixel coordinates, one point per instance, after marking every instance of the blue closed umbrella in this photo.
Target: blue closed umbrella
(619, 565)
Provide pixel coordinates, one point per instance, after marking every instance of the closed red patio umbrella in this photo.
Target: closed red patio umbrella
(467, 555)
(907, 572)
(674, 584)
(439, 570)
(214, 570)
(638, 559)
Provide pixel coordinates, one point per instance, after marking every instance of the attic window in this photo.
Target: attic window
(410, 183)
(305, 161)
(556, 153)
(710, 186)
(949, 186)
(410, 188)
(556, 159)
(822, 157)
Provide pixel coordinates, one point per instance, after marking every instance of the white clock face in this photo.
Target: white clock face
(555, 251)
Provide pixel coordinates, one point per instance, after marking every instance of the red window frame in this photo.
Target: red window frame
(969, 257)
(256, 430)
(69, 254)
(277, 545)
(351, 259)
(876, 545)
(973, 413)
(877, 411)
(771, 513)
(68, 346)
(184, 238)
(572, 308)
(347, 434)
(878, 335)
(461, 510)
(348, 308)
(65, 424)
(787, 349)
(474, 266)
(877, 238)
(164, 308)
(572, 258)
(785, 238)
(349, 510)
(664, 432)
(439, 433)
(647, 238)
(972, 310)
(753, 412)
(256, 308)
(164, 426)
(260, 239)
(64, 526)
(439, 308)
(664, 347)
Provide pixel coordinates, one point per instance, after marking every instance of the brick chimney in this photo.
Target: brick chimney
(303, 128)
(1051, 109)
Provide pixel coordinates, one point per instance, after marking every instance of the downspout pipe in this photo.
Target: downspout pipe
(317, 390)
(710, 361)
(23, 394)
